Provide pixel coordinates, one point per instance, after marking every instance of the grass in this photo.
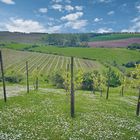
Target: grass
(120, 55)
(46, 115)
(114, 37)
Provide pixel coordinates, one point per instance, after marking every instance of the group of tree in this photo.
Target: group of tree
(69, 39)
(134, 46)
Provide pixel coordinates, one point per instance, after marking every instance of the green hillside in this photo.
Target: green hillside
(119, 55)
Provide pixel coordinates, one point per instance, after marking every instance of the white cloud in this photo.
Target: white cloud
(54, 29)
(56, 1)
(77, 24)
(105, 1)
(58, 7)
(98, 19)
(135, 27)
(8, 1)
(79, 8)
(69, 8)
(103, 30)
(27, 26)
(43, 10)
(110, 13)
(73, 16)
(138, 7)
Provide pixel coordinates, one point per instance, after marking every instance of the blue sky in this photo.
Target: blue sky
(70, 16)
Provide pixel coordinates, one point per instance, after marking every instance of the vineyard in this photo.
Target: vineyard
(14, 61)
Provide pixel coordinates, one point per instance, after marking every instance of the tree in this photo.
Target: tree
(108, 82)
(66, 76)
(124, 82)
(79, 79)
(136, 83)
(35, 78)
(87, 83)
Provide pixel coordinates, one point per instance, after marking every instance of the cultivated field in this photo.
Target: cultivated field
(46, 63)
(115, 43)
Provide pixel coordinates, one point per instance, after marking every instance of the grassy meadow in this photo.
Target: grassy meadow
(46, 115)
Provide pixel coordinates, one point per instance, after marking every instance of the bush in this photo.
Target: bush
(114, 79)
(131, 64)
(57, 80)
(134, 46)
(87, 83)
(13, 79)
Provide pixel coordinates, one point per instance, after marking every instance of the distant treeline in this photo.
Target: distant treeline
(70, 40)
(134, 46)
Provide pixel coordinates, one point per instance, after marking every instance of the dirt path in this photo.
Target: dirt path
(17, 90)
(12, 90)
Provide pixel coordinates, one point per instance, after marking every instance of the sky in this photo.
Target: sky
(70, 16)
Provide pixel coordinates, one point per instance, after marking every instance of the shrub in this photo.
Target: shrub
(13, 78)
(114, 79)
(87, 83)
(134, 46)
(57, 80)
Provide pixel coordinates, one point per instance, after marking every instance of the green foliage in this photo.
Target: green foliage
(87, 83)
(131, 64)
(57, 80)
(135, 75)
(134, 46)
(98, 81)
(66, 76)
(13, 77)
(78, 79)
(114, 80)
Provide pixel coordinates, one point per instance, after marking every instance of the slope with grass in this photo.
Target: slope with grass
(120, 55)
(46, 115)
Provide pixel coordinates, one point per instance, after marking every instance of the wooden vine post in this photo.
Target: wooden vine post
(72, 89)
(3, 78)
(36, 83)
(67, 76)
(27, 76)
(108, 83)
(138, 105)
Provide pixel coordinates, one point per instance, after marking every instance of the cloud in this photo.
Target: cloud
(43, 10)
(68, 1)
(79, 8)
(77, 24)
(27, 26)
(54, 29)
(8, 1)
(58, 7)
(69, 8)
(138, 7)
(135, 27)
(98, 19)
(103, 30)
(105, 1)
(110, 13)
(73, 16)
(56, 1)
